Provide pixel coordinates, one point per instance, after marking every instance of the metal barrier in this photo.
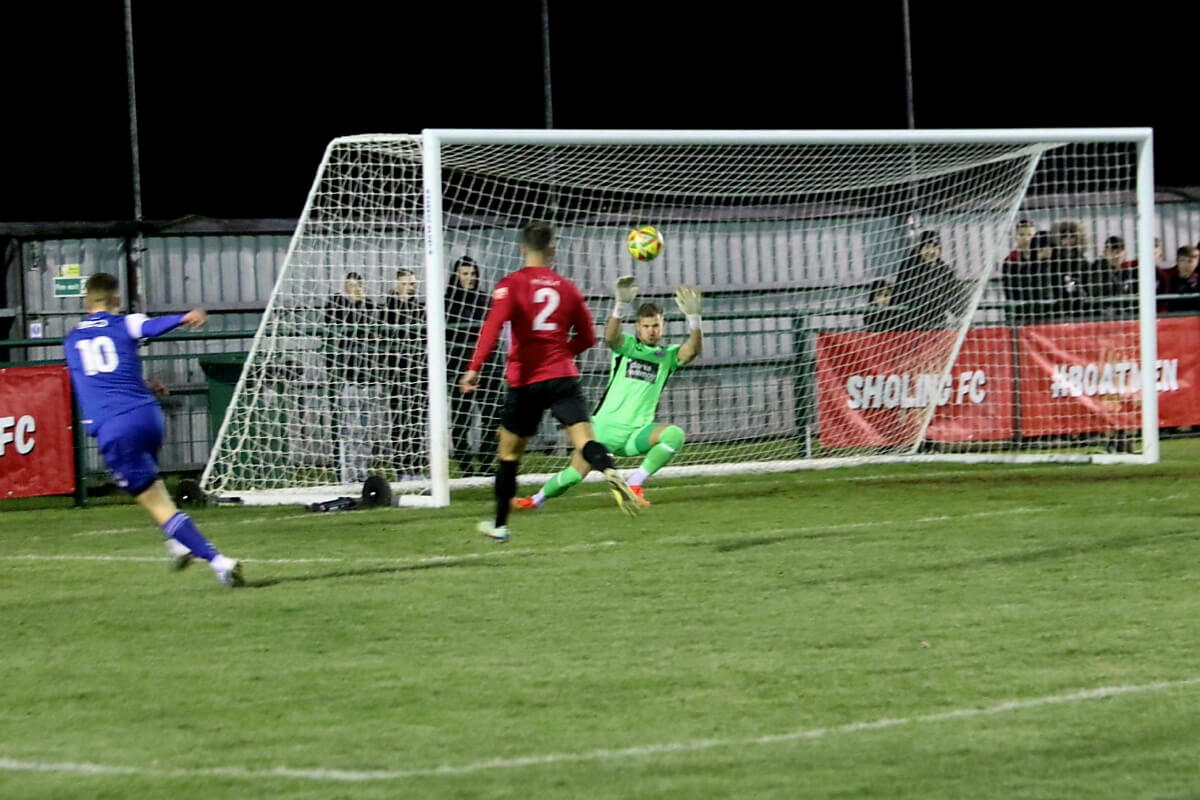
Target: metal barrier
(766, 351)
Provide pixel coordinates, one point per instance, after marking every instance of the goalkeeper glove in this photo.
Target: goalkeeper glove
(688, 300)
(624, 290)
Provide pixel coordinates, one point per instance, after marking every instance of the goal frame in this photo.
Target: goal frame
(433, 140)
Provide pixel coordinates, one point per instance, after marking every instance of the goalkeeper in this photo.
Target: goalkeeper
(624, 418)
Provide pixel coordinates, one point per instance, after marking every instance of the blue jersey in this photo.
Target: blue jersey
(106, 371)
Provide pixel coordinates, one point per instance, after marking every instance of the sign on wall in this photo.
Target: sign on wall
(36, 436)
(878, 389)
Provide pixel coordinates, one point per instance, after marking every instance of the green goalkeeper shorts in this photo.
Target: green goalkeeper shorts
(623, 440)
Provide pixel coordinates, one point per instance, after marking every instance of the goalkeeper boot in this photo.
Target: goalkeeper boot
(179, 557)
(228, 572)
(524, 504)
(627, 501)
(640, 493)
(489, 529)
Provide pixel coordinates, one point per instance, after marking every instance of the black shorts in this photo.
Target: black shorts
(523, 407)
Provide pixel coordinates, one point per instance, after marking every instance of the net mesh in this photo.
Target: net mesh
(859, 300)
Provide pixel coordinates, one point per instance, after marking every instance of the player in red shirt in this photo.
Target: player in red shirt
(542, 308)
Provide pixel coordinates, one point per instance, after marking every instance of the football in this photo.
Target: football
(644, 243)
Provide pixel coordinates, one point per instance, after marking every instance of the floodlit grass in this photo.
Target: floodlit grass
(799, 635)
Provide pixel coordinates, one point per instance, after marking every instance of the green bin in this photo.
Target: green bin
(221, 373)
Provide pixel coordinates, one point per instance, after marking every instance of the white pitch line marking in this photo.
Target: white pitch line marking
(529, 551)
(676, 486)
(837, 526)
(500, 551)
(113, 531)
(808, 734)
(872, 523)
(207, 524)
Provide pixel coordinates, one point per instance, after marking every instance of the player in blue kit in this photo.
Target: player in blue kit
(120, 412)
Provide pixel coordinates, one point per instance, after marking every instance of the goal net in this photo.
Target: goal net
(867, 296)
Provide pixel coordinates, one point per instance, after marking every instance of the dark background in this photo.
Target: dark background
(236, 101)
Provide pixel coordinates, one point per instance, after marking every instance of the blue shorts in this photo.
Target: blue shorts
(129, 444)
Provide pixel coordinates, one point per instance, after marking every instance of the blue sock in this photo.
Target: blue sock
(181, 528)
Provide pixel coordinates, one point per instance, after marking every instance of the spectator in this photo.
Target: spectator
(1181, 279)
(351, 325)
(1015, 272)
(1129, 275)
(1158, 257)
(881, 317)
(466, 307)
(406, 376)
(1031, 290)
(1024, 233)
(1073, 281)
(1105, 280)
(927, 292)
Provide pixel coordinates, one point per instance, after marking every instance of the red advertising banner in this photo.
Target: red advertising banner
(878, 388)
(1085, 377)
(36, 438)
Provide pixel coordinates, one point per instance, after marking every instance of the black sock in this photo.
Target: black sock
(597, 456)
(506, 489)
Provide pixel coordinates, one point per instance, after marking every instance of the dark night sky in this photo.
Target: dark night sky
(236, 101)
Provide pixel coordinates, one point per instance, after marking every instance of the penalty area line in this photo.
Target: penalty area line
(325, 775)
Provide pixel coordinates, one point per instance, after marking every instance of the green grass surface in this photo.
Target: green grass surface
(884, 632)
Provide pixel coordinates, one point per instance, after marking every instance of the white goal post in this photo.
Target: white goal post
(869, 296)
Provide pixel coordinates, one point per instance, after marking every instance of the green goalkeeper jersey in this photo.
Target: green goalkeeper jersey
(636, 380)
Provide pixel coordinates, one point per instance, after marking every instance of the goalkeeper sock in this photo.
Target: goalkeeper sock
(181, 528)
(506, 490)
(557, 485)
(669, 442)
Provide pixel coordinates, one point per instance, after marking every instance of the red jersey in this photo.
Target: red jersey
(542, 307)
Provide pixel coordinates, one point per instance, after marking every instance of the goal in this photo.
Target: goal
(868, 296)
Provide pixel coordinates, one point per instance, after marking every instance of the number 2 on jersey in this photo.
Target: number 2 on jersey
(551, 299)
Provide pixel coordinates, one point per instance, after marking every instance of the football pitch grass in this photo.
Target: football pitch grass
(934, 631)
